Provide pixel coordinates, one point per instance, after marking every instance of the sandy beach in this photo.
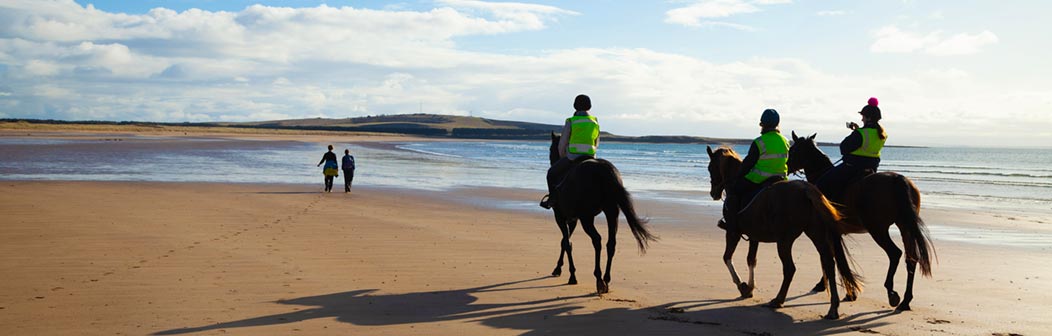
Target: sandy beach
(189, 258)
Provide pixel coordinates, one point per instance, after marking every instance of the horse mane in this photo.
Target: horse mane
(727, 151)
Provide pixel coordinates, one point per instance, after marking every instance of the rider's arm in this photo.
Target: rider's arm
(564, 140)
(852, 142)
(750, 160)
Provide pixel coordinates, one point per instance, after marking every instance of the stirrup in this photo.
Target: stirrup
(546, 202)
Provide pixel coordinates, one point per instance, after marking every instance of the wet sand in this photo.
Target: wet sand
(190, 258)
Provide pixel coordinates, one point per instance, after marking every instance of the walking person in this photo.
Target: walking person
(348, 170)
(331, 169)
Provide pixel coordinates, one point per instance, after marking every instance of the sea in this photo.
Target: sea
(987, 179)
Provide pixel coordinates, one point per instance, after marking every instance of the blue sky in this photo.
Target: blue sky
(944, 70)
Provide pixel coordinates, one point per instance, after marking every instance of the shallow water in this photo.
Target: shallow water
(1013, 180)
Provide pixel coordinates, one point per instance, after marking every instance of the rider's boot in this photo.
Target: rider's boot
(547, 201)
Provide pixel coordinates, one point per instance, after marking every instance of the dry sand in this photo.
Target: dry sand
(107, 258)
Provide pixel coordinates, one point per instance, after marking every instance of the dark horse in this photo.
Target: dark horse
(871, 205)
(780, 214)
(594, 186)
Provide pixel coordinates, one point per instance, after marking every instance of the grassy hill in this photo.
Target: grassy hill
(420, 124)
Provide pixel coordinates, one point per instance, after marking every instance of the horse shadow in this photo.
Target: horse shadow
(747, 319)
(364, 308)
(550, 316)
(715, 318)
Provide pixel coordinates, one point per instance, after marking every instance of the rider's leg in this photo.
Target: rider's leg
(555, 175)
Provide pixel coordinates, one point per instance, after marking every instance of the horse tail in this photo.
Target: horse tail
(624, 202)
(836, 227)
(851, 280)
(917, 239)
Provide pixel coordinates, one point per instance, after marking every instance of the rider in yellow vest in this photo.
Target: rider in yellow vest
(764, 165)
(579, 141)
(861, 151)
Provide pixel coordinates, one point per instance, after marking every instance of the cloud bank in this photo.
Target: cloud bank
(65, 61)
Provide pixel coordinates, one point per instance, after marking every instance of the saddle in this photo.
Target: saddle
(763, 187)
(863, 173)
(573, 169)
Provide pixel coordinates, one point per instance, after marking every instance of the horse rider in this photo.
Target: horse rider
(764, 165)
(579, 141)
(860, 150)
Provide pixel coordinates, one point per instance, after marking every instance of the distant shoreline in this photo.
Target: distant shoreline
(277, 128)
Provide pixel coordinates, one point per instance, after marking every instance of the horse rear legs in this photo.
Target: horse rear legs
(588, 224)
(894, 254)
(785, 253)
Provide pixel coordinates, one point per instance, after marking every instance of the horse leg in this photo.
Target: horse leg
(728, 253)
(588, 224)
(785, 253)
(825, 254)
(571, 224)
(558, 271)
(894, 253)
(911, 268)
(611, 241)
(754, 246)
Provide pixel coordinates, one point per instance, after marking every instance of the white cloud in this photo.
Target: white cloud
(276, 63)
(698, 13)
(963, 44)
(831, 13)
(890, 39)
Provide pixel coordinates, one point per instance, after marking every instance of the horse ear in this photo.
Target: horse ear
(794, 136)
(709, 149)
(812, 136)
(553, 135)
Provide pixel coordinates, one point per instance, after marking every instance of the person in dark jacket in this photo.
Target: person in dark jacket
(764, 165)
(860, 150)
(348, 170)
(331, 169)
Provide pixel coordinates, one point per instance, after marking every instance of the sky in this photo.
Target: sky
(947, 73)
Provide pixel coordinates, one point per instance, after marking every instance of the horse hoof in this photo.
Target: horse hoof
(601, 288)
(903, 307)
(893, 299)
(745, 290)
(820, 287)
(774, 304)
(557, 274)
(572, 281)
(832, 316)
(850, 298)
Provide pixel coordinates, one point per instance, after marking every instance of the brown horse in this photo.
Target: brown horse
(780, 214)
(871, 205)
(594, 186)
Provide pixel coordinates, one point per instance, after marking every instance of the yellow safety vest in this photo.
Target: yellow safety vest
(774, 153)
(584, 135)
(871, 143)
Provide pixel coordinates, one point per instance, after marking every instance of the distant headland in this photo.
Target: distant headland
(418, 124)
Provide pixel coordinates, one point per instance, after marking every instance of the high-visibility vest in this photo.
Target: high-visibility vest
(584, 135)
(871, 143)
(774, 153)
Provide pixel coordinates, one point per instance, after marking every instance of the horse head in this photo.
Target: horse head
(804, 153)
(723, 164)
(553, 151)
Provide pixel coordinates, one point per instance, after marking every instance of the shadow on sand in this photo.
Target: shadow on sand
(556, 315)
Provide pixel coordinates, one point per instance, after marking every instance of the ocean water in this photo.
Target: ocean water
(970, 178)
